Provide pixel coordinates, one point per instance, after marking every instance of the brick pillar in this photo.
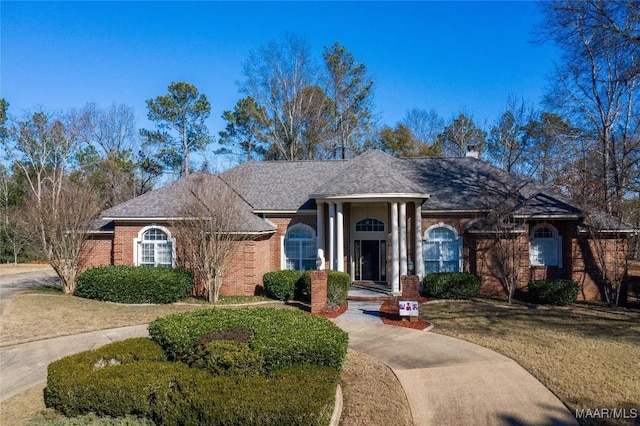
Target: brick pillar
(318, 291)
(410, 287)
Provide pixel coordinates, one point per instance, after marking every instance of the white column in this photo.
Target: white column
(419, 260)
(332, 233)
(403, 239)
(320, 231)
(339, 238)
(395, 250)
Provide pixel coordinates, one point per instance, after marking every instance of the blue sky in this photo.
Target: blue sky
(449, 56)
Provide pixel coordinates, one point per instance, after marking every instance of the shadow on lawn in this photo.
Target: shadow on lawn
(503, 319)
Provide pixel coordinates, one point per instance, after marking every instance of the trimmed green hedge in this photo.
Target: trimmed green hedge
(451, 285)
(136, 382)
(283, 337)
(553, 292)
(281, 285)
(337, 287)
(135, 284)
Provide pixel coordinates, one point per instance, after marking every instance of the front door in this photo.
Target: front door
(370, 260)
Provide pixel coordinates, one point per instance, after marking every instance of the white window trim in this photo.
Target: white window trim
(283, 254)
(556, 236)
(384, 225)
(458, 238)
(138, 239)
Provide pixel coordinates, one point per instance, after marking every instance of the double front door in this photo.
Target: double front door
(370, 260)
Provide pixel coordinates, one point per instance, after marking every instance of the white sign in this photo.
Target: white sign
(408, 308)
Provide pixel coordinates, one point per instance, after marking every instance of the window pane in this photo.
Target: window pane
(147, 253)
(449, 251)
(431, 266)
(309, 250)
(154, 235)
(451, 266)
(370, 225)
(441, 234)
(543, 233)
(309, 265)
(299, 233)
(431, 251)
(291, 249)
(163, 251)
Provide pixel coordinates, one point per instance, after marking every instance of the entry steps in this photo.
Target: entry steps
(369, 290)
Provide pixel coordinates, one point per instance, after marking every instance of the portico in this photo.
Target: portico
(366, 235)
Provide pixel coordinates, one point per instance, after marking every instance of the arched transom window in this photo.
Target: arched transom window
(442, 249)
(154, 248)
(370, 225)
(545, 247)
(300, 248)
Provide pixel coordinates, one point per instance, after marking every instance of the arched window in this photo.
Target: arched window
(545, 247)
(300, 248)
(154, 247)
(370, 225)
(442, 249)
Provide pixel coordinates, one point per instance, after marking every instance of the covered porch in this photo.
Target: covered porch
(376, 238)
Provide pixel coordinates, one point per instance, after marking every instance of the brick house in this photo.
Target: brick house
(377, 218)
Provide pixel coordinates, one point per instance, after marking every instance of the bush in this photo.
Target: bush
(451, 285)
(172, 393)
(84, 382)
(283, 337)
(227, 358)
(135, 284)
(303, 287)
(337, 287)
(553, 292)
(281, 285)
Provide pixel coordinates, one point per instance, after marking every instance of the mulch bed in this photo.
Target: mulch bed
(333, 312)
(391, 316)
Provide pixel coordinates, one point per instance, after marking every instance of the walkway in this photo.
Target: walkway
(447, 381)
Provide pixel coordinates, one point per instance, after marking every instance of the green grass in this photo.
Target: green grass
(48, 289)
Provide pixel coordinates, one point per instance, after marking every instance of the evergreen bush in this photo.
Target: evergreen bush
(451, 285)
(282, 337)
(134, 284)
(553, 292)
(338, 284)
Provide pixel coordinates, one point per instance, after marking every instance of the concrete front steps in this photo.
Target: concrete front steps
(368, 291)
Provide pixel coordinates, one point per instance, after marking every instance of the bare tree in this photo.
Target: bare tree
(15, 231)
(425, 125)
(210, 231)
(460, 134)
(607, 245)
(276, 76)
(596, 86)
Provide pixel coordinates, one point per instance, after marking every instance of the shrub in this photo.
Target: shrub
(134, 284)
(281, 285)
(451, 285)
(172, 393)
(283, 337)
(84, 382)
(553, 292)
(227, 358)
(303, 287)
(337, 287)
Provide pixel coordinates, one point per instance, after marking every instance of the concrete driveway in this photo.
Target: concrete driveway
(453, 382)
(10, 285)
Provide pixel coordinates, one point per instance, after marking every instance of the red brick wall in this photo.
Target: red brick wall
(99, 251)
(283, 223)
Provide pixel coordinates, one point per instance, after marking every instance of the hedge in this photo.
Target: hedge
(281, 285)
(137, 383)
(283, 337)
(451, 285)
(553, 292)
(135, 284)
(337, 287)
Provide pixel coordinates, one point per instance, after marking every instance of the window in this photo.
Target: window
(154, 248)
(300, 248)
(442, 249)
(370, 225)
(545, 248)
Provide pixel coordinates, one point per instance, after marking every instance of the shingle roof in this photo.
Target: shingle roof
(446, 184)
(167, 202)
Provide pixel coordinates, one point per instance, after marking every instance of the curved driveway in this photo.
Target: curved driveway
(447, 381)
(10, 285)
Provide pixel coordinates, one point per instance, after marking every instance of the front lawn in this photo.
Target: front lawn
(587, 355)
